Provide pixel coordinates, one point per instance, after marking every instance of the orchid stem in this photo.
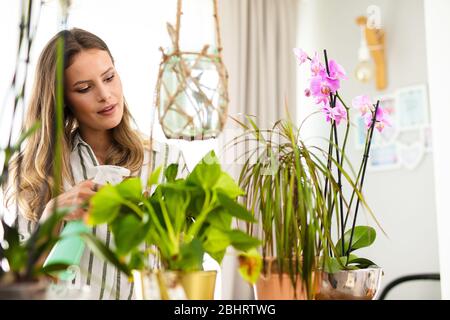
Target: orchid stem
(341, 207)
(334, 130)
(365, 159)
(356, 185)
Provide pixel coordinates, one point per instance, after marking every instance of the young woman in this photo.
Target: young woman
(97, 131)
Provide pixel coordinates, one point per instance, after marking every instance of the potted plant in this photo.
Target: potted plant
(284, 191)
(22, 274)
(345, 275)
(183, 219)
(296, 193)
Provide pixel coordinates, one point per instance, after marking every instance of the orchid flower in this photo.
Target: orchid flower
(381, 120)
(363, 104)
(337, 113)
(321, 83)
(321, 86)
(300, 55)
(336, 70)
(317, 67)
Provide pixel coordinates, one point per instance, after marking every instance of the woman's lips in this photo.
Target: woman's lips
(108, 110)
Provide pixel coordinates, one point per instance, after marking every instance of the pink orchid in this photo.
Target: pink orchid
(381, 120)
(336, 70)
(321, 83)
(300, 55)
(363, 104)
(321, 86)
(337, 113)
(316, 66)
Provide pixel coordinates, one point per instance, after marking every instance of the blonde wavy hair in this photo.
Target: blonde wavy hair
(34, 188)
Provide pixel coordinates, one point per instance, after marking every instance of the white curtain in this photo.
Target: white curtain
(257, 37)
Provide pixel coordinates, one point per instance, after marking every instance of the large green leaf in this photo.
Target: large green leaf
(363, 236)
(180, 185)
(333, 265)
(216, 243)
(220, 219)
(196, 203)
(227, 186)
(362, 263)
(129, 232)
(218, 255)
(171, 172)
(105, 205)
(235, 209)
(176, 202)
(130, 189)
(154, 177)
(190, 257)
(206, 173)
(242, 241)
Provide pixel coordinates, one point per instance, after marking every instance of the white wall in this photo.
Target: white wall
(438, 52)
(403, 200)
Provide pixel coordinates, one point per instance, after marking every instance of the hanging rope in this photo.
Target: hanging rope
(181, 64)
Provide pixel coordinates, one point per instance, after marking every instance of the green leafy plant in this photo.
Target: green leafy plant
(182, 218)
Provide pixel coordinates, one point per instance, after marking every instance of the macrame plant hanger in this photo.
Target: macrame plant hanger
(192, 87)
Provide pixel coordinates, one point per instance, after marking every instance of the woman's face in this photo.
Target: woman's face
(93, 90)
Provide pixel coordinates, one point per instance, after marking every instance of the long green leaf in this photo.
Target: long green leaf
(363, 236)
(235, 209)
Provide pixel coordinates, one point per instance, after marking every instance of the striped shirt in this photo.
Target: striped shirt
(104, 280)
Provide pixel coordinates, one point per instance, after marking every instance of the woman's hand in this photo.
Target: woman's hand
(75, 197)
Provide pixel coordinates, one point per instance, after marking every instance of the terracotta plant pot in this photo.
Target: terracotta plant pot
(33, 290)
(361, 284)
(273, 286)
(172, 285)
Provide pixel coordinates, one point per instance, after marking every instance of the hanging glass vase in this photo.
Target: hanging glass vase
(192, 93)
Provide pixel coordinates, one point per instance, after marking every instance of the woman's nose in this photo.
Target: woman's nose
(103, 93)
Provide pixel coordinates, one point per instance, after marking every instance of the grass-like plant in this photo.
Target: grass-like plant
(282, 182)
